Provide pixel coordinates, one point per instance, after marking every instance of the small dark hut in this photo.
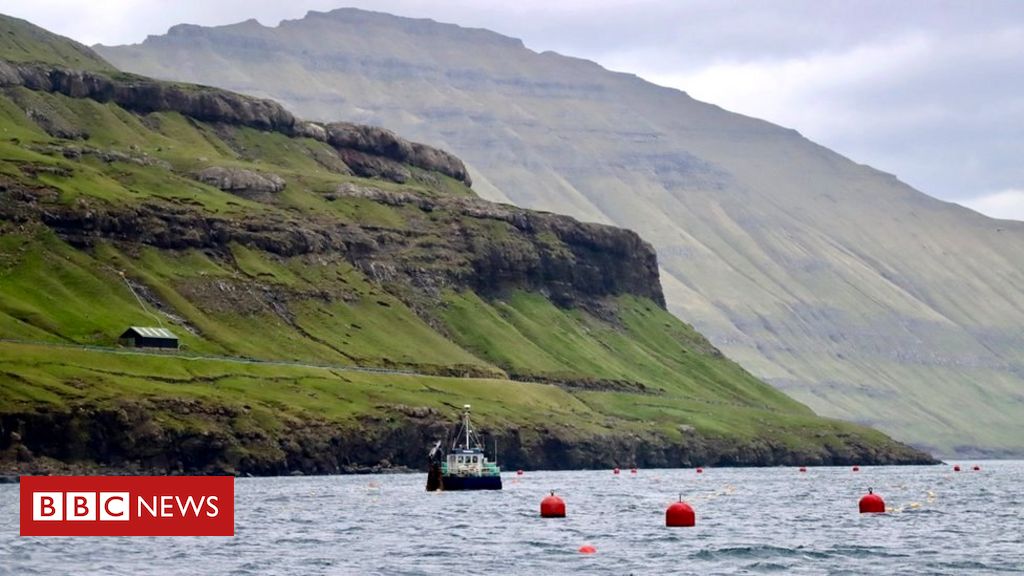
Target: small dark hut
(149, 338)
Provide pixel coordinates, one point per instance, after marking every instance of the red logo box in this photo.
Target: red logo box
(127, 506)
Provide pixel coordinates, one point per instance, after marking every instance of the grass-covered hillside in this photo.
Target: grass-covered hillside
(289, 257)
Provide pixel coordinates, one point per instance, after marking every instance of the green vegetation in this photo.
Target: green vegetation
(51, 291)
(104, 224)
(273, 398)
(526, 334)
(45, 379)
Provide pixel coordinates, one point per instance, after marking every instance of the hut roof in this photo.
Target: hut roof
(147, 332)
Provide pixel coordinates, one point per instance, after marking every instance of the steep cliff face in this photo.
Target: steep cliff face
(839, 284)
(569, 261)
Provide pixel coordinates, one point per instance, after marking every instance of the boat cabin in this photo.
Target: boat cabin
(465, 462)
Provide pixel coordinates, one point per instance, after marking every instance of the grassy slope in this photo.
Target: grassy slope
(50, 291)
(270, 396)
(263, 401)
(43, 377)
(528, 335)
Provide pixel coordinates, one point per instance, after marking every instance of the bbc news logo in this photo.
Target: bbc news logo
(127, 506)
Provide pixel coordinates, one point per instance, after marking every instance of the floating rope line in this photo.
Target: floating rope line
(711, 495)
(930, 499)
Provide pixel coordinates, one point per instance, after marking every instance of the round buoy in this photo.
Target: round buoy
(552, 507)
(587, 549)
(803, 468)
(976, 468)
(700, 470)
(615, 471)
(519, 472)
(632, 470)
(872, 503)
(956, 468)
(680, 514)
(856, 468)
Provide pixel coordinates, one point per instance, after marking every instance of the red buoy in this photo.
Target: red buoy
(803, 468)
(976, 468)
(680, 514)
(872, 503)
(519, 472)
(700, 470)
(856, 468)
(587, 549)
(956, 468)
(552, 507)
(632, 470)
(615, 471)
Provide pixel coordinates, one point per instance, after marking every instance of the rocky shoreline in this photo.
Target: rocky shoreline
(127, 440)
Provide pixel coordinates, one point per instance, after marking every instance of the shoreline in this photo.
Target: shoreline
(12, 476)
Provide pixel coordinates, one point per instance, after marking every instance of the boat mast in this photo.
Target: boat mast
(466, 424)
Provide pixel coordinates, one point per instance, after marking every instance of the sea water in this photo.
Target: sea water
(749, 521)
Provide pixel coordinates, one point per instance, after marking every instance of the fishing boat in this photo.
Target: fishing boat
(464, 465)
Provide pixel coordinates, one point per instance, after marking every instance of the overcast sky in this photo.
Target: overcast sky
(932, 91)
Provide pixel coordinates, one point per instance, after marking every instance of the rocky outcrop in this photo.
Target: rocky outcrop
(561, 256)
(570, 261)
(369, 166)
(109, 156)
(385, 143)
(240, 180)
(145, 95)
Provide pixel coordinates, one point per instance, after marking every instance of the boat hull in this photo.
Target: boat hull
(453, 483)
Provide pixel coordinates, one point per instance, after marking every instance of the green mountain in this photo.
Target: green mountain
(839, 284)
(339, 292)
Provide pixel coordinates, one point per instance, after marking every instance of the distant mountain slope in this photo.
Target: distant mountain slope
(837, 283)
(339, 292)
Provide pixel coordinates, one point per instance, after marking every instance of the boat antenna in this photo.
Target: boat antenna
(466, 423)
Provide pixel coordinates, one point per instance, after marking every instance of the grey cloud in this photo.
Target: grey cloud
(952, 125)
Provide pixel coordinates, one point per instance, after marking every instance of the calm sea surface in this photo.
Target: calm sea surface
(749, 521)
